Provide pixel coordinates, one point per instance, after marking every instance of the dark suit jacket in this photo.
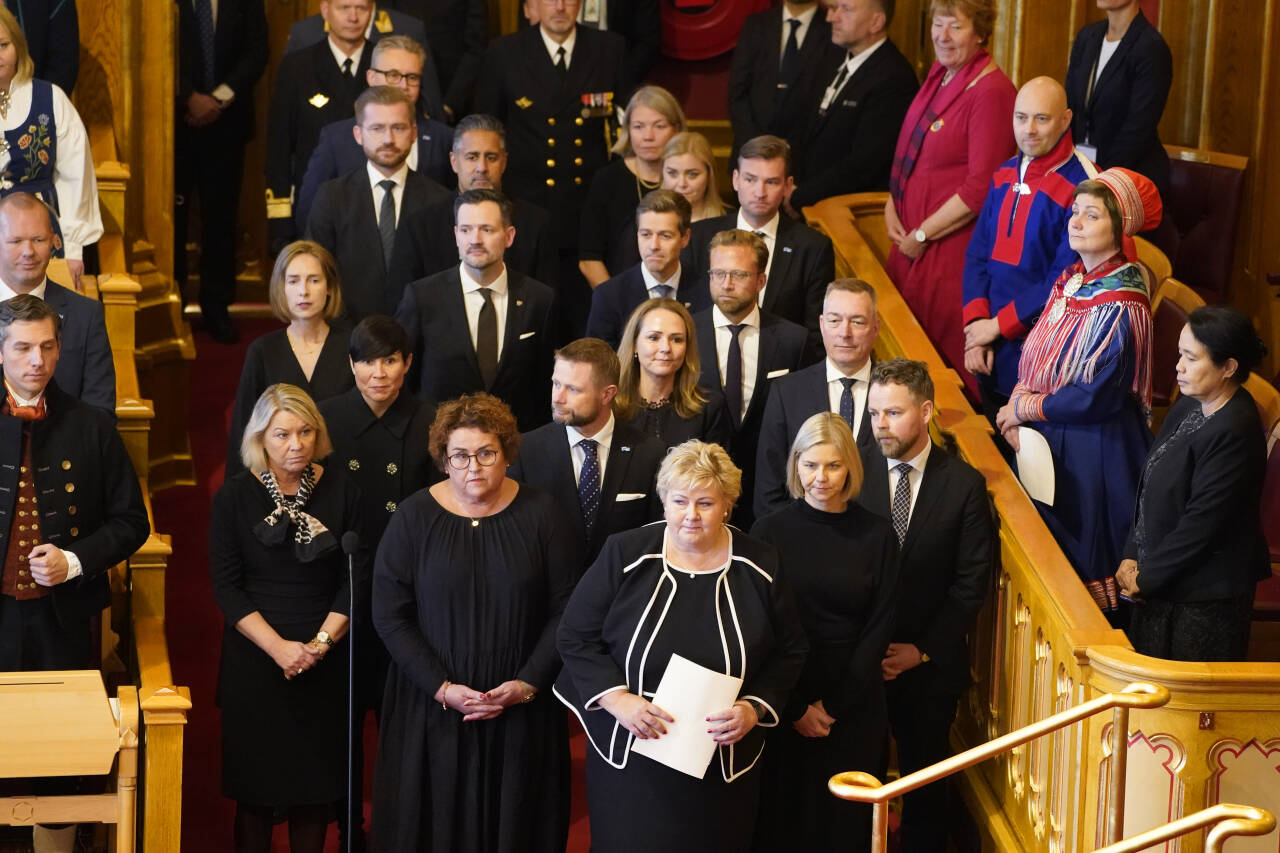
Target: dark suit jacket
(338, 153)
(444, 359)
(429, 245)
(944, 562)
(756, 104)
(640, 23)
(784, 346)
(804, 263)
(240, 57)
(554, 150)
(850, 148)
(1202, 534)
(52, 30)
(1122, 115)
(386, 22)
(614, 300)
(545, 463)
(457, 32)
(793, 399)
(344, 221)
(85, 368)
(90, 500)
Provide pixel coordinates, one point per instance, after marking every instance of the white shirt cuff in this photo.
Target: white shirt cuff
(74, 569)
(223, 93)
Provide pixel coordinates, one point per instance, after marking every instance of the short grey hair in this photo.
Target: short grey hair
(404, 43)
(475, 123)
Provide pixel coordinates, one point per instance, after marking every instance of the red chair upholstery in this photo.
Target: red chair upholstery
(1173, 303)
(1206, 193)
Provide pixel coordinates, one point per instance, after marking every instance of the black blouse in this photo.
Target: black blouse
(607, 230)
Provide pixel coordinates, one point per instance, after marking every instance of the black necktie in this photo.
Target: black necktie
(346, 68)
(846, 403)
(733, 375)
(790, 56)
(589, 484)
(487, 338)
(387, 220)
(901, 507)
(562, 61)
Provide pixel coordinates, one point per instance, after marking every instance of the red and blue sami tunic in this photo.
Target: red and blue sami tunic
(1019, 246)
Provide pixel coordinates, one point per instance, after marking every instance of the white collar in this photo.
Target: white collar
(853, 60)
(7, 292)
(835, 374)
(805, 17)
(770, 228)
(340, 57)
(720, 321)
(917, 462)
(470, 285)
(650, 281)
(19, 399)
(552, 45)
(376, 177)
(604, 438)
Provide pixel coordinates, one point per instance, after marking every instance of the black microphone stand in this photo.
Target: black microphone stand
(350, 544)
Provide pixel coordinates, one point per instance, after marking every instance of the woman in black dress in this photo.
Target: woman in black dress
(310, 352)
(1196, 549)
(607, 229)
(470, 580)
(696, 588)
(839, 561)
(281, 582)
(658, 391)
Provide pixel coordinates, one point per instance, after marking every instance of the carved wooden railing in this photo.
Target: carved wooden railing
(1040, 646)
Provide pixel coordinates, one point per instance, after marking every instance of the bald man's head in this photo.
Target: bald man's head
(1040, 116)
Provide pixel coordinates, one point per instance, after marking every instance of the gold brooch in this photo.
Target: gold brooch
(523, 103)
(318, 100)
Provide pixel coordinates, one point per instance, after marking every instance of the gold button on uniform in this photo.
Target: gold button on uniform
(551, 143)
(391, 506)
(22, 543)
(577, 142)
(23, 469)
(392, 468)
(353, 464)
(66, 464)
(551, 164)
(577, 180)
(75, 531)
(70, 487)
(578, 121)
(551, 120)
(71, 509)
(22, 527)
(577, 161)
(22, 558)
(551, 182)
(22, 513)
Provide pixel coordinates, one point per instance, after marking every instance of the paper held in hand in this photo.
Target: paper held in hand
(690, 693)
(1035, 465)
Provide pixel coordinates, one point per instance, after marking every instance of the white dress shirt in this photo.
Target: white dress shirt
(835, 388)
(852, 63)
(397, 192)
(748, 342)
(651, 282)
(604, 441)
(805, 18)
(74, 178)
(7, 292)
(770, 234)
(914, 476)
(340, 57)
(473, 302)
(553, 46)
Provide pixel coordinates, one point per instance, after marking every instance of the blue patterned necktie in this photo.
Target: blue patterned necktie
(664, 290)
(846, 403)
(902, 501)
(589, 484)
(204, 24)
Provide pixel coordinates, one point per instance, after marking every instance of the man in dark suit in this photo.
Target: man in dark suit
(801, 261)
(743, 349)
(846, 139)
(481, 326)
(837, 384)
(601, 472)
(939, 509)
(85, 368)
(555, 88)
(315, 87)
(70, 508)
(216, 79)
(359, 216)
(639, 22)
(779, 53)
(662, 231)
(52, 30)
(397, 61)
(457, 32)
(478, 160)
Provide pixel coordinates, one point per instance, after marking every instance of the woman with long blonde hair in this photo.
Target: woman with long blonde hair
(689, 168)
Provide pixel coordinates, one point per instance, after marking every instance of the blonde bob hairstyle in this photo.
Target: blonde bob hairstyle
(699, 465)
(657, 99)
(687, 399)
(826, 428)
(693, 143)
(281, 397)
(25, 68)
(328, 266)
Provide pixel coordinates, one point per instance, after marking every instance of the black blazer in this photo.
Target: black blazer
(545, 463)
(614, 300)
(850, 148)
(1122, 115)
(756, 104)
(444, 359)
(945, 560)
(640, 23)
(345, 222)
(239, 58)
(85, 367)
(429, 245)
(457, 32)
(793, 399)
(52, 31)
(88, 492)
(338, 153)
(784, 347)
(804, 263)
(1202, 532)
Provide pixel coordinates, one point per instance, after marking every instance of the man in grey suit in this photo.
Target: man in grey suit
(85, 369)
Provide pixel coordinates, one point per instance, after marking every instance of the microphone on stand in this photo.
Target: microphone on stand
(351, 544)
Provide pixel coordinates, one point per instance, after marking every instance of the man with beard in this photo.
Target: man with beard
(744, 349)
(939, 511)
(482, 325)
(600, 471)
(359, 216)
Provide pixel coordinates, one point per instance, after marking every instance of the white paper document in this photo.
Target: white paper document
(690, 693)
(1035, 465)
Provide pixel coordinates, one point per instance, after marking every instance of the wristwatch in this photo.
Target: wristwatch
(920, 236)
(323, 637)
(924, 657)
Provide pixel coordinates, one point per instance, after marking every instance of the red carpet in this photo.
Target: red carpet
(195, 624)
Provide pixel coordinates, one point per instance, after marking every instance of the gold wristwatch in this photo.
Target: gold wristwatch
(323, 637)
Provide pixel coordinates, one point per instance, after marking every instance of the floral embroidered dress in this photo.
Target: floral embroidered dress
(1084, 383)
(44, 150)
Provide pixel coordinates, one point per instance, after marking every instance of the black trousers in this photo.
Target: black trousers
(32, 638)
(209, 166)
(922, 707)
